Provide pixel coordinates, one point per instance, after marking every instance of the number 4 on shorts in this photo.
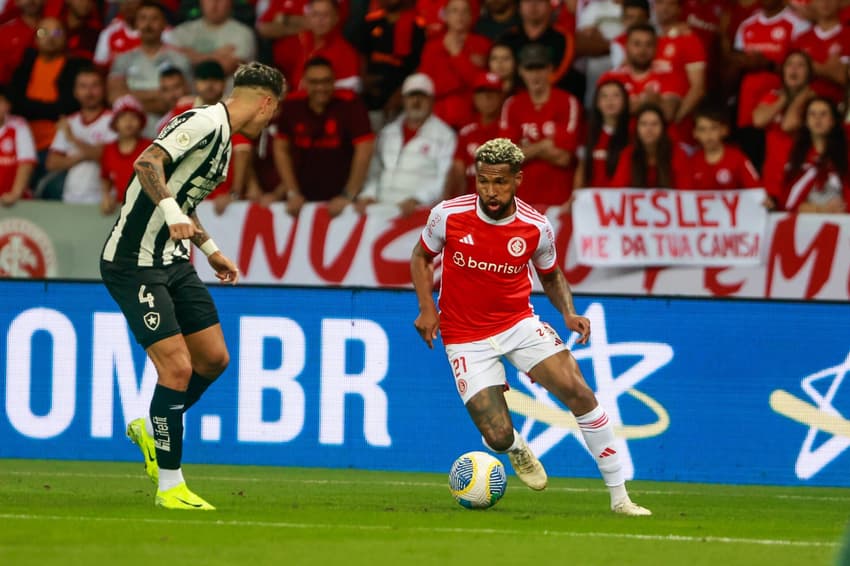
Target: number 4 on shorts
(145, 297)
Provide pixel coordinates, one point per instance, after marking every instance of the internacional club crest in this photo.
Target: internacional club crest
(516, 246)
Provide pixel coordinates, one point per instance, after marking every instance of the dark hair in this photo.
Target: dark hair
(645, 27)
(810, 69)
(663, 154)
(619, 139)
(713, 112)
(834, 154)
(89, 69)
(514, 76)
(640, 4)
(318, 62)
(257, 75)
(155, 5)
(171, 71)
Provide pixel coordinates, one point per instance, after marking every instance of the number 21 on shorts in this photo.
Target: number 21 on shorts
(459, 366)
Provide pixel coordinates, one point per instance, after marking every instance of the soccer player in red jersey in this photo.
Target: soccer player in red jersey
(717, 165)
(489, 242)
(607, 136)
(488, 100)
(653, 160)
(545, 121)
(828, 44)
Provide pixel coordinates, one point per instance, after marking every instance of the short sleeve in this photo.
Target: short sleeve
(566, 134)
(60, 143)
(24, 144)
(120, 66)
(361, 129)
(545, 256)
(184, 132)
(434, 234)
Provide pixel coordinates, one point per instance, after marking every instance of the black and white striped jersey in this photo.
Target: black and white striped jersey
(198, 142)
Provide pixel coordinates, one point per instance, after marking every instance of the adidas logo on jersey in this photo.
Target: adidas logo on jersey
(467, 240)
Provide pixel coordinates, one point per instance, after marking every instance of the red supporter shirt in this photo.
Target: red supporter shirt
(16, 147)
(15, 37)
(327, 139)
(777, 143)
(772, 37)
(486, 279)
(676, 53)
(814, 183)
(290, 56)
(236, 140)
(117, 167)
(732, 171)
(117, 38)
(469, 139)
(681, 172)
(704, 19)
(823, 45)
(598, 176)
(558, 119)
(454, 77)
(637, 83)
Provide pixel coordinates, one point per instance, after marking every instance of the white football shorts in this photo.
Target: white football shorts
(478, 365)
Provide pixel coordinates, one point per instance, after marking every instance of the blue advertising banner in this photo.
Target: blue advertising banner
(699, 390)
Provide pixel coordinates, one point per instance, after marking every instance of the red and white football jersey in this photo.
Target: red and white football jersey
(733, 171)
(486, 280)
(599, 177)
(823, 45)
(16, 146)
(636, 84)
(678, 52)
(117, 38)
(773, 37)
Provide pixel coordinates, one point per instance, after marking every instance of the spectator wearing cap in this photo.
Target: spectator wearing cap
(18, 35)
(17, 154)
(453, 61)
(487, 98)
(544, 121)
(136, 71)
(412, 154)
(391, 39)
(77, 148)
(116, 161)
(324, 143)
(537, 27)
(321, 38)
(216, 35)
(498, 17)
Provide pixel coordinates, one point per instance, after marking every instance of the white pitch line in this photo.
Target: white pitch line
(400, 483)
(442, 530)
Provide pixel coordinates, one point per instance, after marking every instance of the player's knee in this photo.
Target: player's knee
(176, 373)
(214, 363)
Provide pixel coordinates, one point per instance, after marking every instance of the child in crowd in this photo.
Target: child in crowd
(116, 161)
(718, 165)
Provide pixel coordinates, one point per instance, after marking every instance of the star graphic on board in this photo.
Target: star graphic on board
(542, 408)
(821, 417)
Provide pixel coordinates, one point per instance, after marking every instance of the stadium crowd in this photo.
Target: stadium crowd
(388, 99)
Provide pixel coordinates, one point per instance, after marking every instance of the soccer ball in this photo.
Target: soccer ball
(477, 480)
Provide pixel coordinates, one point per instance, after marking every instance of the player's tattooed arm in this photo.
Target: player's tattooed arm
(201, 234)
(558, 290)
(150, 170)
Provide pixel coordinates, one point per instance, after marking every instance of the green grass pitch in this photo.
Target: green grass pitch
(93, 513)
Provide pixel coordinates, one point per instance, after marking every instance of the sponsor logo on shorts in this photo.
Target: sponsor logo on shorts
(25, 250)
(152, 320)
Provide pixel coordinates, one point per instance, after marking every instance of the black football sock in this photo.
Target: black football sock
(167, 418)
(197, 385)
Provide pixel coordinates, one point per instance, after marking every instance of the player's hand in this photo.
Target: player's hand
(182, 230)
(580, 324)
(225, 270)
(428, 325)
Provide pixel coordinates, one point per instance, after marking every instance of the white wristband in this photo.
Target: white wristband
(209, 247)
(172, 212)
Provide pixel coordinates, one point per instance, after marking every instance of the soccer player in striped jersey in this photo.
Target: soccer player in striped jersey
(145, 266)
(489, 242)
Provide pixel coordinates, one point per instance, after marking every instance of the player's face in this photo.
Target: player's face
(709, 133)
(795, 72)
(266, 110)
(611, 100)
(640, 50)
(319, 83)
(496, 186)
(819, 119)
(649, 128)
(488, 102)
(502, 62)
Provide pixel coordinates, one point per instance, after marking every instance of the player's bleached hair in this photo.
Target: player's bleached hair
(498, 151)
(257, 75)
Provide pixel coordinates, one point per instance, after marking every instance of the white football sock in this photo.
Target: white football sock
(598, 434)
(170, 478)
(148, 425)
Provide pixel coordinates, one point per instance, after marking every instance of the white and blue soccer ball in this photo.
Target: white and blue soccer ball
(477, 480)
